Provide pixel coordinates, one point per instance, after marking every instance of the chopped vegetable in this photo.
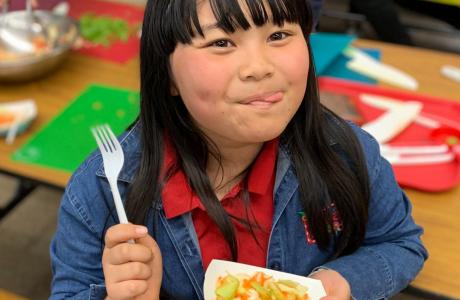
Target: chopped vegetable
(228, 288)
(263, 292)
(258, 287)
(6, 118)
(103, 30)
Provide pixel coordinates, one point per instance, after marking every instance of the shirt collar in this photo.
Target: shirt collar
(131, 144)
(178, 197)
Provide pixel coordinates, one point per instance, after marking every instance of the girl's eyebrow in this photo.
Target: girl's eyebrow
(209, 27)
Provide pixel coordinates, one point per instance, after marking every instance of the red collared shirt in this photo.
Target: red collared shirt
(178, 199)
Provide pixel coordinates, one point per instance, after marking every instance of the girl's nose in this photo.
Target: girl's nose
(255, 67)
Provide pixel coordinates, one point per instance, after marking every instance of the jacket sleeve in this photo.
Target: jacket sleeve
(76, 249)
(392, 253)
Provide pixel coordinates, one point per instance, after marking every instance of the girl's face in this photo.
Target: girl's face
(243, 87)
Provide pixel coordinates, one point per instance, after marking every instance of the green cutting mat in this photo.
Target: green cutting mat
(66, 140)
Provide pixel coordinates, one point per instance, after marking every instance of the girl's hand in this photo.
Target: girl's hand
(336, 286)
(131, 271)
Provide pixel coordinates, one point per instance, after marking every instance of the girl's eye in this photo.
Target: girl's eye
(278, 36)
(221, 44)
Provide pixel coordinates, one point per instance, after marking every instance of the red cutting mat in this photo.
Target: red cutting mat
(119, 51)
(434, 177)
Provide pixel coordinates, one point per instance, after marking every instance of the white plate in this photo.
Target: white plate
(220, 268)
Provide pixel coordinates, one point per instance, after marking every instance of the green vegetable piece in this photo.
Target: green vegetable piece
(118, 24)
(229, 288)
(263, 292)
(301, 290)
(90, 33)
(123, 36)
(274, 289)
(288, 283)
(103, 29)
(452, 140)
(85, 19)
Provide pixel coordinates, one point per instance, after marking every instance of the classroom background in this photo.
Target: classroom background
(430, 31)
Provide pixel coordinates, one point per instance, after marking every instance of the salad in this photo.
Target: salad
(258, 286)
(38, 43)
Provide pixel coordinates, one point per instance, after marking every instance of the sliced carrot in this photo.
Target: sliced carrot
(6, 118)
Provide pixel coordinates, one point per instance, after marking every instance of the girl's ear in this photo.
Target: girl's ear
(173, 89)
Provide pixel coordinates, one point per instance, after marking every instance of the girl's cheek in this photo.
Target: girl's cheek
(216, 71)
(203, 74)
(296, 64)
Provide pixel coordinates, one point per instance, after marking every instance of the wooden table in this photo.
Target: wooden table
(5, 295)
(52, 94)
(437, 213)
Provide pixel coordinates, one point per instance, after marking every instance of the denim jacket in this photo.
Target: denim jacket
(390, 257)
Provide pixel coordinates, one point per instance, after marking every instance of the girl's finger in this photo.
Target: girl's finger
(126, 289)
(121, 233)
(127, 272)
(123, 253)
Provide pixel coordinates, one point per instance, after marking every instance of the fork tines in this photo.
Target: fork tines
(104, 137)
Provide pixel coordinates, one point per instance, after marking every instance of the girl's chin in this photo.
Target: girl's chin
(263, 136)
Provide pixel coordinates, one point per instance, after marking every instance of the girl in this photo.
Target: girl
(233, 157)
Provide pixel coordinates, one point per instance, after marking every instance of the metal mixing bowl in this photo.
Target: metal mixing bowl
(60, 34)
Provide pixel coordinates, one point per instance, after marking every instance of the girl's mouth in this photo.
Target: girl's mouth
(264, 99)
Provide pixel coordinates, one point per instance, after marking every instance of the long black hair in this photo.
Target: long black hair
(324, 177)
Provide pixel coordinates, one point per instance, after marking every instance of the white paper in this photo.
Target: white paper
(24, 112)
(219, 268)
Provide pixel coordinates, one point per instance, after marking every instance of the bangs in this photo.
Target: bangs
(184, 22)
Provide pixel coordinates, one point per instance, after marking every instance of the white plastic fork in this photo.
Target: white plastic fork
(112, 155)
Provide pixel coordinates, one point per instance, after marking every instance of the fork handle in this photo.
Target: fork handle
(118, 203)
